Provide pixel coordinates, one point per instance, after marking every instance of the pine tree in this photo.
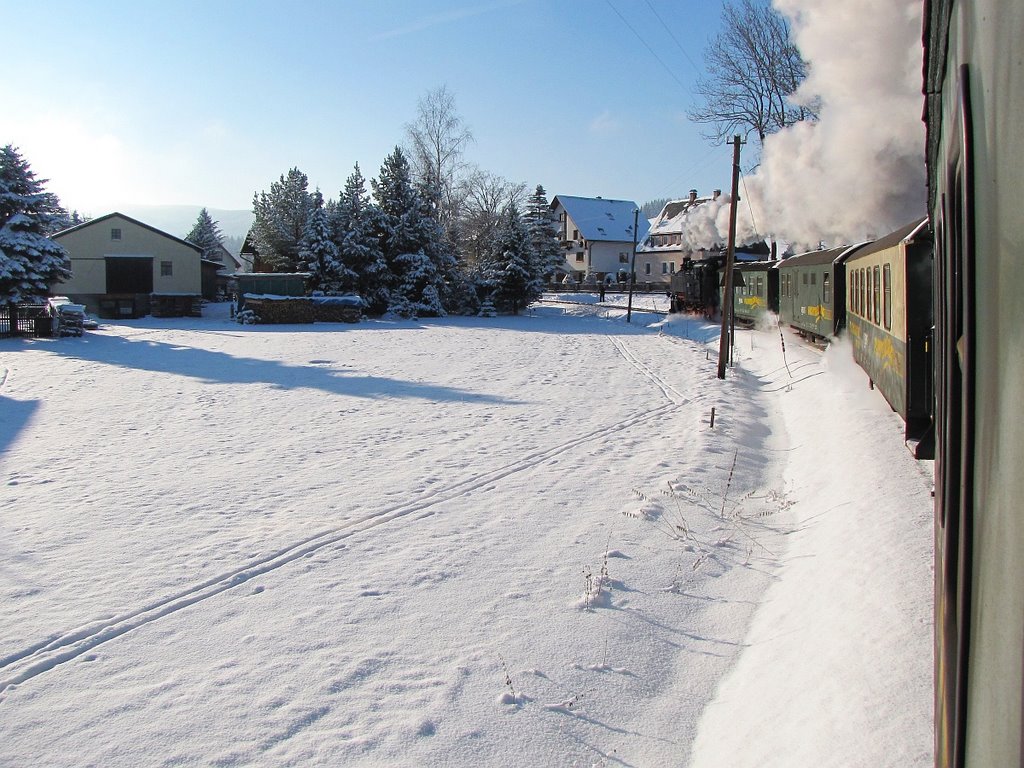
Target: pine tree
(318, 254)
(206, 234)
(511, 272)
(29, 261)
(355, 224)
(281, 216)
(543, 234)
(411, 241)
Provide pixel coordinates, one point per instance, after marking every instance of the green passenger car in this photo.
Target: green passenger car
(755, 290)
(812, 288)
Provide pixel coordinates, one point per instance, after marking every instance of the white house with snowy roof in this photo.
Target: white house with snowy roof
(669, 241)
(597, 235)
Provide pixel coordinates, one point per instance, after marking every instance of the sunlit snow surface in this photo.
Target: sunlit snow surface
(464, 542)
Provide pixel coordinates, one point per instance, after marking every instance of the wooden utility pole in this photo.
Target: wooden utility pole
(632, 266)
(730, 260)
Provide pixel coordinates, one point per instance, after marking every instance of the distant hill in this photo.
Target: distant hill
(178, 220)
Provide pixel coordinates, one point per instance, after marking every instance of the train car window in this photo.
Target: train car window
(875, 291)
(826, 289)
(863, 294)
(805, 278)
(868, 305)
(887, 296)
(760, 286)
(814, 278)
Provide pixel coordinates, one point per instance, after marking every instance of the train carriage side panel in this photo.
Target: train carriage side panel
(889, 321)
(974, 113)
(812, 291)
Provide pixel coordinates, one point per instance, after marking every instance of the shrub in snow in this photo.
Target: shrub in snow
(247, 317)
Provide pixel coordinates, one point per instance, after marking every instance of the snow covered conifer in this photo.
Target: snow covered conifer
(411, 240)
(318, 254)
(29, 261)
(206, 234)
(356, 226)
(511, 269)
(543, 231)
(281, 216)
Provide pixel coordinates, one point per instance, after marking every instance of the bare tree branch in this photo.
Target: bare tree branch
(753, 71)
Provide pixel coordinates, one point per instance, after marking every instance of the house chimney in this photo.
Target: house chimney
(775, 250)
(693, 195)
(716, 194)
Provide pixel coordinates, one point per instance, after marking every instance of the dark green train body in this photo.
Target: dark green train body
(756, 290)
(812, 287)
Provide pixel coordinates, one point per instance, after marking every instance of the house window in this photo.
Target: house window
(575, 234)
(579, 257)
(623, 258)
(664, 268)
(115, 233)
(166, 268)
(672, 267)
(647, 268)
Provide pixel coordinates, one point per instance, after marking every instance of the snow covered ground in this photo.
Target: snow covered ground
(464, 542)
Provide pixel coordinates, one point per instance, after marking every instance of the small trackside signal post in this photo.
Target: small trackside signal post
(730, 259)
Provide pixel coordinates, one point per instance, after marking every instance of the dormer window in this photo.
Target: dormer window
(115, 233)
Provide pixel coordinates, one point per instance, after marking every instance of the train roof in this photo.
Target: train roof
(754, 266)
(827, 256)
(908, 233)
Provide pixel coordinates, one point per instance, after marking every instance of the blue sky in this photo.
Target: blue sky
(204, 103)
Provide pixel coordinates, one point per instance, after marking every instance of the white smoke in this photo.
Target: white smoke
(859, 171)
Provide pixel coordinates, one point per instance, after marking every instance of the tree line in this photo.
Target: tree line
(431, 235)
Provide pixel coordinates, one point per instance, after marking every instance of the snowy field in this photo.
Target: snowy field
(461, 542)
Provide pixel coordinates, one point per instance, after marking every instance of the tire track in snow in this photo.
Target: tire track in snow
(671, 393)
(35, 660)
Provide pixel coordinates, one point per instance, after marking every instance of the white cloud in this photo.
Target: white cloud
(605, 124)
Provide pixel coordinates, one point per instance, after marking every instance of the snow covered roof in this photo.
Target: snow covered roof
(107, 217)
(672, 215)
(601, 219)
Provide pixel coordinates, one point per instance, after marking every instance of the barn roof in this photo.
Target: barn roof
(106, 217)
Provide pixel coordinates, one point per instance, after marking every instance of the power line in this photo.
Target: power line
(673, 36)
(651, 50)
(746, 196)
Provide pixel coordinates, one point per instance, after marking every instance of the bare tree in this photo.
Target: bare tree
(753, 71)
(484, 198)
(437, 139)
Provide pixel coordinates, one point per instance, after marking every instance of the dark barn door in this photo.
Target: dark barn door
(130, 274)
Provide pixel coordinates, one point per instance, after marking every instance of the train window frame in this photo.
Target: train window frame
(869, 306)
(876, 290)
(887, 296)
(826, 289)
